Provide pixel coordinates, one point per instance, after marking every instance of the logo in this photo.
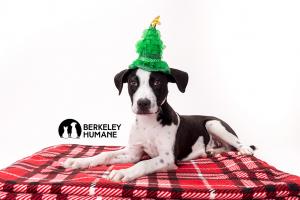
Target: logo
(69, 128)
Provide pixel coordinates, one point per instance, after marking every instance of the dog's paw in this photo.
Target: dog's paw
(215, 151)
(245, 150)
(77, 163)
(121, 175)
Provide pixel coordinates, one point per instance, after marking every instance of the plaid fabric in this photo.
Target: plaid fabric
(227, 176)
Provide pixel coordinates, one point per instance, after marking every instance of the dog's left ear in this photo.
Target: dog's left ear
(181, 78)
(121, 78)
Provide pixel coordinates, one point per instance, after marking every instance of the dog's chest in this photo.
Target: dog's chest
(153, 137)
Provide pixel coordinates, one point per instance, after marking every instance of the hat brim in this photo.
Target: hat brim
(156, 66)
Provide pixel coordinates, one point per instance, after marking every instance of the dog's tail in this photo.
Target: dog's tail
(253, 147)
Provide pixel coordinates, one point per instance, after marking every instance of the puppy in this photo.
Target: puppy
(159, 131)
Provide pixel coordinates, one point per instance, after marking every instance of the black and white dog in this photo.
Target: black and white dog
(159, 131)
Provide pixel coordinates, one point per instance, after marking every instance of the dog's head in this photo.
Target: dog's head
(149, 90)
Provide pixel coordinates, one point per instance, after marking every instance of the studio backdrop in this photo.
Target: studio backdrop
(58, 60)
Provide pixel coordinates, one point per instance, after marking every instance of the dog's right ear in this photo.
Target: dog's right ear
(179, 77)
(121, 78)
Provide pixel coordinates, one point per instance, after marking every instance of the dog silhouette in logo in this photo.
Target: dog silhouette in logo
(73, 133)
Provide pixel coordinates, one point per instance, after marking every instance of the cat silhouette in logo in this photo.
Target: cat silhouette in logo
(74, 133)
(65, 133)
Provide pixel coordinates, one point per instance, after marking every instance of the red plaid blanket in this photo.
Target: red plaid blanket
(227, 176)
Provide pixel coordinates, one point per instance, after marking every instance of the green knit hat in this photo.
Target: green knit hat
(150, 50)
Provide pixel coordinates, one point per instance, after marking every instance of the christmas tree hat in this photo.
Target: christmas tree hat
(150, 50)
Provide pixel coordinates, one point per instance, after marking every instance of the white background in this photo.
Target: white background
(58, 60)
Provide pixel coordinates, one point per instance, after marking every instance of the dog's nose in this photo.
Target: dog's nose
(143, 104)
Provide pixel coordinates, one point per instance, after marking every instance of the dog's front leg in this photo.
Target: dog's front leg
(143, 168)
(120, 156)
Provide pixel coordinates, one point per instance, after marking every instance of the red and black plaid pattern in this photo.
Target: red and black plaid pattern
(227, 176)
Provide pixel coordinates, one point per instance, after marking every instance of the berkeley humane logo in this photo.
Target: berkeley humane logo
(71, 128)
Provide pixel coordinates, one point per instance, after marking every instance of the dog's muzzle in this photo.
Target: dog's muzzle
(143, 106)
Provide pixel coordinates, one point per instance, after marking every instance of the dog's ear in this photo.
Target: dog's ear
(121, 78)
(181, 78)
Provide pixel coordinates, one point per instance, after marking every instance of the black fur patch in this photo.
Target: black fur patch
(189, 130)
(167, 115)
(253, 147)
(159, 84)
(227, 127)
(132, 77)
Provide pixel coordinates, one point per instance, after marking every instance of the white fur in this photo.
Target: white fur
(144, 91)
(156, 140)
(216, 129)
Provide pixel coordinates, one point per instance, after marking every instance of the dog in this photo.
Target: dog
(159, 131)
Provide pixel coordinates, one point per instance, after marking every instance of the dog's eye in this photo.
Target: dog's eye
(156, 83)
(133, 83)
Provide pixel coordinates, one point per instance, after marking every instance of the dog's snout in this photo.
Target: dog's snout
(143, 104)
